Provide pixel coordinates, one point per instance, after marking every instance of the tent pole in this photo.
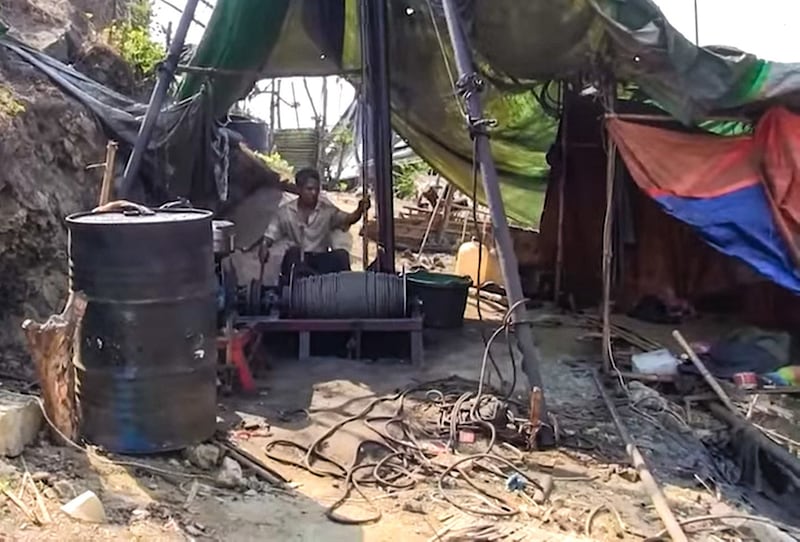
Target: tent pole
(562, 181)
(165, 74)
(375, 33)
(608, 223)
(470, 86)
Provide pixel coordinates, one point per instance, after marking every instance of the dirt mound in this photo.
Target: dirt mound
(46, 143)
(59, 27)
(103, 64)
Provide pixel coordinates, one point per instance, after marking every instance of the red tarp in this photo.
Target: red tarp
(667, 162)
(665, 254)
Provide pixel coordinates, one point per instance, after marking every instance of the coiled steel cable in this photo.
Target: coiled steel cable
(349, 295)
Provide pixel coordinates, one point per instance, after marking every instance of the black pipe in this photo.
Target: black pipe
(166, 72)
(470, 87)
(375, 59)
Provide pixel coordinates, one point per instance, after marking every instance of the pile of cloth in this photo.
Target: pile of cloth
(770, 354)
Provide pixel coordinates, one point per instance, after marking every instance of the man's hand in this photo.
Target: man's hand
(363, 205)
(264, 249)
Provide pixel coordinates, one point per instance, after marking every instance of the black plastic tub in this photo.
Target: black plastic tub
(443, 297)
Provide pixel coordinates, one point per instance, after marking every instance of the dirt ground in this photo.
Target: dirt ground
(299, 401)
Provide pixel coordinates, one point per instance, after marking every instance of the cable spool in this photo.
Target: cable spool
(348, 295)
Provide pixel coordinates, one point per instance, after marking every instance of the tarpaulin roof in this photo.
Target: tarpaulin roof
(515, 44)
(740, 194)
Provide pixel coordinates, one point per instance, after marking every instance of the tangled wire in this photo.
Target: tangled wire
(413, 448)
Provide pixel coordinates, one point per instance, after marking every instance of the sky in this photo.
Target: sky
(766, 28)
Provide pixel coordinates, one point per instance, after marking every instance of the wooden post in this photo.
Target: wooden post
(448, 209)
(434, 214)
(107, 188)
(562, 181)
(277, 106)
(295, 104)
(51, 346)
(608, 226)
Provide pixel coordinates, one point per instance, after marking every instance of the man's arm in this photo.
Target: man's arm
(344, 220)
(274, 233)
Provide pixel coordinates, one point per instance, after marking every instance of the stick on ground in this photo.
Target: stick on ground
(637, 460)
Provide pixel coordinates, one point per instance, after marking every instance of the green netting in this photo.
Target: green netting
(517, 45)
(240, 37)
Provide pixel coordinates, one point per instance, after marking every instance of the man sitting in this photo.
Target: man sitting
(307, 223)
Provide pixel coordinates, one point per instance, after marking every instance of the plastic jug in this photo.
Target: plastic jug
(467, 263)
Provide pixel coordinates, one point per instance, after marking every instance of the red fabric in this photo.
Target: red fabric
(666, 162)
(666, 256)
(778, 141)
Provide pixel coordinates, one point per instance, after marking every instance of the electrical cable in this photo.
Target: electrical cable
(459, 410)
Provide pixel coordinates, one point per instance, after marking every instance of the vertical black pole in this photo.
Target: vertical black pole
(470, 86)
(165, 74)
(375, 48)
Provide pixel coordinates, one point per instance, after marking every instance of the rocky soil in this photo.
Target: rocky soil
(47, 141)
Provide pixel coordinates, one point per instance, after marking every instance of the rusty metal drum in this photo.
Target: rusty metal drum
(146, 354)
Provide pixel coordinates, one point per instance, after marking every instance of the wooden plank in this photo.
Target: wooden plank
(264, 324)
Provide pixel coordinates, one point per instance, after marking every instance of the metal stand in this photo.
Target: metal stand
(165, 74)
(357, 327)
(469, 84)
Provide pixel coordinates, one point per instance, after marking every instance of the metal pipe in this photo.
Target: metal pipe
(375, 32)
(165, 74)
(502, 236)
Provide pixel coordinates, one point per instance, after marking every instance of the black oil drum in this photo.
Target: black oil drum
(254, 132)
(146, 358)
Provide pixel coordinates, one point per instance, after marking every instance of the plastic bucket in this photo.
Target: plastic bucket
(443, 297)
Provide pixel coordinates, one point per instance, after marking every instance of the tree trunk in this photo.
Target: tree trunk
(52, 346)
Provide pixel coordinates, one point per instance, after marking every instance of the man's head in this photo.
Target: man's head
(308, 185)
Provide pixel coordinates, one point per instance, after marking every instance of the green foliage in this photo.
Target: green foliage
(10, 106)
(131, 39)
(405, 174)
(135, 46)
(342, 136)
(141, 13)
(276, 163)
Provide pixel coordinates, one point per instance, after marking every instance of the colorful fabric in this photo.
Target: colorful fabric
(738, 193)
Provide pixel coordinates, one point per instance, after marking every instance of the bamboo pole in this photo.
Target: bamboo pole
(608, 222)
(107, 186)
(448, 210)
(278, 105)
(562, 181)
(295, 104)
(709, 378)
(432, 219)
(668, 118)
(637, 460)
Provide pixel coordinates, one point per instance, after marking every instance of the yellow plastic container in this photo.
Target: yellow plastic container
(467, 264)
